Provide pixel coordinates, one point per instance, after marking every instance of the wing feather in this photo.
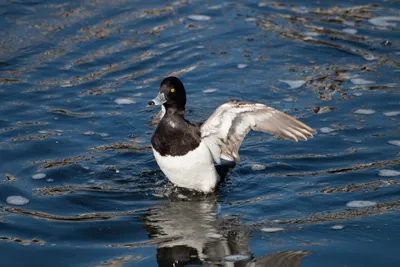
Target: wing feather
(227, 127)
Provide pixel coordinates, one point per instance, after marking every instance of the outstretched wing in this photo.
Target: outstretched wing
(226, 128)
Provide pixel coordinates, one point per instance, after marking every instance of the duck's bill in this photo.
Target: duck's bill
(159, 100)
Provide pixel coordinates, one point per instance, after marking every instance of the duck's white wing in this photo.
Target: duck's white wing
(226, 128)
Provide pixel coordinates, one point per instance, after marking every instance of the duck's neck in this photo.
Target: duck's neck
(172, 110)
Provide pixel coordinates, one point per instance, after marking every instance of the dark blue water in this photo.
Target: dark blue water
(103, 200)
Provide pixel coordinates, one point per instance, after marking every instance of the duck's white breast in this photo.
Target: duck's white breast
(195, 170)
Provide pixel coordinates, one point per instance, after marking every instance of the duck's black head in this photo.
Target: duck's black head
(171, 94)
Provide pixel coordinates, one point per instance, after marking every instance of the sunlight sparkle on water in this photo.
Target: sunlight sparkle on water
(238, 257)
(199, 17)
(124, 101)
(388, 173)
(38, 176)
(17, 200)
(294, 84)
(364, 111)
(394, 142)
(360, 204)
(272, 229)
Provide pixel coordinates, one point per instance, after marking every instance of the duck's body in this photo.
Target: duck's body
(181, 154)
(186, 152)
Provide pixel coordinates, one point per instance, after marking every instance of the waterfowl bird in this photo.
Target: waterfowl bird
(186, 152)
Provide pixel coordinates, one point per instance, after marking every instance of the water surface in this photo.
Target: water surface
(83, 159)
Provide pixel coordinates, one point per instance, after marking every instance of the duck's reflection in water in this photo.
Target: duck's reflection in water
(195, 236)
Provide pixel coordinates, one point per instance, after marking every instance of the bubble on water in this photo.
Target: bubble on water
(349, 31)
(384, 21)
(365, 111)
(326, 130)
(258, 167)
(210, 90)
(200, 47)
(262, 4)
(124, 101)
(43, 132)
(89, 133)
(357, 94)
(288, 99)
(272, 229)
(276, 221)
(394, 142)
(237, 257)
(294, 84)
(391, 113)
(338, 227)
(17, 200)
(241, 66)
(360, 204)
(38, 176)
(199, 17)
(214, 235)
(104, 134)
(388, 173)
(49, 180)
(359, 81)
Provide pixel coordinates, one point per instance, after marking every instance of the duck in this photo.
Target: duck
(187, 152)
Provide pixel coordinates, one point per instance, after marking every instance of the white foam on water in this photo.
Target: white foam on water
(104, 134)
(49, 180)
(360, 204)
(388, 173)
(272, 229)
(237, 257)
(359, 81)
(384, 21)
(199, 17)
(357, 94)
(17, 200)
(288, 99)
(391, 113)
(349, 31)
(338, 227)
(89, 133)
(241, 66)
(394, 142)
(38, 176)
(294, 84)
(210, 90)
(124, 101)
(365, 111)
(258, 167)
(326, 130)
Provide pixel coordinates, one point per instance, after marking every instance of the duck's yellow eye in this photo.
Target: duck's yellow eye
(172, 90)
